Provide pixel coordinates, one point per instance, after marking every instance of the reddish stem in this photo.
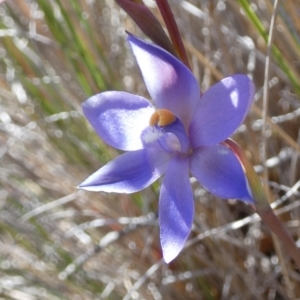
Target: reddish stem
(169, 20)
(262, 206)
(274, 224)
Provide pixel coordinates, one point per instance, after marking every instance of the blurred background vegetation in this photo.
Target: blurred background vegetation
(57, 242)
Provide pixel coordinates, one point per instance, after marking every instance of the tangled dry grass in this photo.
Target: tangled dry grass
(60, 243)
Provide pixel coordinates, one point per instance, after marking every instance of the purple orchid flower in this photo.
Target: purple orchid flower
(177, 136)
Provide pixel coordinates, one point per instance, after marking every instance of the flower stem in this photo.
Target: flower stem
(262, 206)
(147, 22)
(274, 224)
(173, 30)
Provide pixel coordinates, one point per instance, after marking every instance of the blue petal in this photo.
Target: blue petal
(170, 83)
(221, 110)
(129, 172)
(119, 118)
(176, 208)
(220, 172)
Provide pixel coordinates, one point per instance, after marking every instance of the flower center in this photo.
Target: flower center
(168, 131)
(162, 117)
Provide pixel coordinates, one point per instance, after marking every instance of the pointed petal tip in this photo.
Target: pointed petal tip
(87, 187)
(129, 35)
(170, 252)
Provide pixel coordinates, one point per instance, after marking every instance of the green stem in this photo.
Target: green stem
(173, 30)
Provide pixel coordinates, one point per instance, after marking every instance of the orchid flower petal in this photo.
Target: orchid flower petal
(221, 110)
(176, 208)
(219, 171)
(119, 118)
(170, 83)
(129, 172)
